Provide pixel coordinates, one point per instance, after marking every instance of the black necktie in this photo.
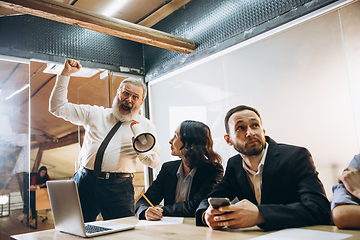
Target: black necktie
(101, 150)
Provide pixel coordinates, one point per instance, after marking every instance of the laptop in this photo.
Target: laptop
(67, 213)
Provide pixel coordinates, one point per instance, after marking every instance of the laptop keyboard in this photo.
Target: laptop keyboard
(94, 229)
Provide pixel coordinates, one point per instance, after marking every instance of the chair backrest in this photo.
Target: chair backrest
(42, 199)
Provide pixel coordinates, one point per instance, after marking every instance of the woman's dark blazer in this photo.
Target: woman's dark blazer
(164, 187)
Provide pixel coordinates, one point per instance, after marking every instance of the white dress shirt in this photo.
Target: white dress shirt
(119, 155)
(255, 178)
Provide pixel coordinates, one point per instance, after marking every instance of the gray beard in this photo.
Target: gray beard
(121, 117)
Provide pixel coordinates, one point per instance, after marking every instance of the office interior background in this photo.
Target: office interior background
(297, 62)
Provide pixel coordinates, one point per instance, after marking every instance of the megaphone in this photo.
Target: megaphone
(143, 141)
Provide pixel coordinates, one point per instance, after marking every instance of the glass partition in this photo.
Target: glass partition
(14, 143)
(304, 80)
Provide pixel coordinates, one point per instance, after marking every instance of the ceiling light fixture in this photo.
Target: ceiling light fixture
(56, 68)
(111, 9)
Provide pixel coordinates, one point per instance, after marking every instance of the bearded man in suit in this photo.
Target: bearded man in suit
(277, 185)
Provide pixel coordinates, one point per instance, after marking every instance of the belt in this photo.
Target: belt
(107, 175)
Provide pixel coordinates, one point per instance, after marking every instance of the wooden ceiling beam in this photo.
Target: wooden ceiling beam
(61, 142)
(37, 162)
(72, 15)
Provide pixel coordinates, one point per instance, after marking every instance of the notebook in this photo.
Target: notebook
(67, 214)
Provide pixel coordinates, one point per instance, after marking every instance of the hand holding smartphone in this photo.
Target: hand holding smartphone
(218, 202)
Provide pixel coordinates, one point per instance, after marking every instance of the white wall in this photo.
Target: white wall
(304, 81)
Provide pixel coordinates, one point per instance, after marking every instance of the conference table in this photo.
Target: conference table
(187, 230)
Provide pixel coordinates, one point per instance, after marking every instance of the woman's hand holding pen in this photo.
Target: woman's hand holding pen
(153, 214)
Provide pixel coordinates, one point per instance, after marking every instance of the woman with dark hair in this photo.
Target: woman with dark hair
(183, 183)
(40, 178)
(37, 181)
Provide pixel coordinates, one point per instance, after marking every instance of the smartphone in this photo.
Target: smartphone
(218, 202)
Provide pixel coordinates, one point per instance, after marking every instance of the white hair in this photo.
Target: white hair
(136, 82)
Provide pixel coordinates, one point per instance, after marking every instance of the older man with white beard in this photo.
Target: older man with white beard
(110, 191)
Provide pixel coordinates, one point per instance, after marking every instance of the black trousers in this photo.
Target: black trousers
(113, 198)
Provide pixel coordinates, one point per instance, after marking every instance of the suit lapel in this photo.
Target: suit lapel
(271, 163)
(197, 179)
(170, 188)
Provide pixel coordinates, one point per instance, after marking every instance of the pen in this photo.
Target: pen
(146, 198)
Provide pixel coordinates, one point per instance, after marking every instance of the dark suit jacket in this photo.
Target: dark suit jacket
(164, 187)
(291, 196)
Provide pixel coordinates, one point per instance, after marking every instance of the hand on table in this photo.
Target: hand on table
(240, 215)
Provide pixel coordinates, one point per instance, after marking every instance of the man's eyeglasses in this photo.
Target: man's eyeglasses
(125, 94)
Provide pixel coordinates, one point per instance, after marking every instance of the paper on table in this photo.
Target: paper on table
(163, 221)
(300, 234)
